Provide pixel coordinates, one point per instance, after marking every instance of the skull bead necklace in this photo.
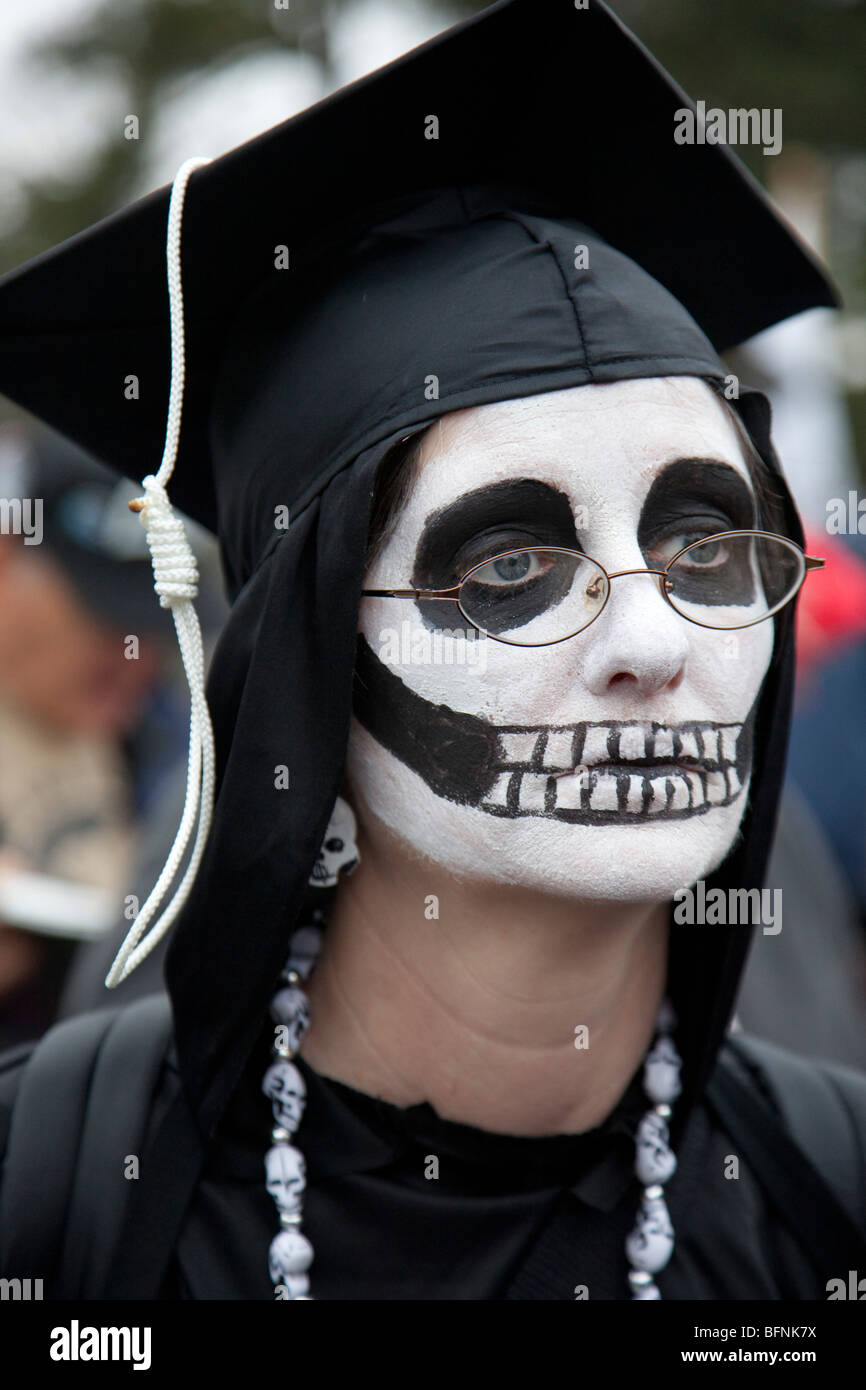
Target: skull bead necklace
(649, 1245)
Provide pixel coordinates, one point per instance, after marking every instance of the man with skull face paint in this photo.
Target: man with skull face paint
(521, 830)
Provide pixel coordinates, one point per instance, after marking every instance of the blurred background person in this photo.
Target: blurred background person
(93, 720)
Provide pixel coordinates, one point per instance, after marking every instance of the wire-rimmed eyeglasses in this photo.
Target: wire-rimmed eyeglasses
(546, 594)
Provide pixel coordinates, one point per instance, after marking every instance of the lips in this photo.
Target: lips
(635, 769)
(603, 773)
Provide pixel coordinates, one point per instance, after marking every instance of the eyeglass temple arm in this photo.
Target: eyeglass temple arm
(411, 593)
(812, 563)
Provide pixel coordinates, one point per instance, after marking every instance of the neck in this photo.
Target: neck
(476, 1010)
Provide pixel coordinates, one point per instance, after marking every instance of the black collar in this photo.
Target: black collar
(345, 1131)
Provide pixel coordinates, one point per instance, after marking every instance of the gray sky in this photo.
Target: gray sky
(51, 124)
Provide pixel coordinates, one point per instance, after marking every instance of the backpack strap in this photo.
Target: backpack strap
(82, 1108)
(110, 1156)
(154, 1219)
(832, 1233)
(42, 1147)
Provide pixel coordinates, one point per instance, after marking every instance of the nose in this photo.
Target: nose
(637, 641)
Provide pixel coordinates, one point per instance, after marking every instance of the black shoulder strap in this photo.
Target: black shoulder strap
(154, 1219)
(42, 1147)
(109, 1160)
(791, 1183)
(79, 1115)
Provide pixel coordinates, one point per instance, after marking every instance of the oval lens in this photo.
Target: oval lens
(735, 579)
(534, 596)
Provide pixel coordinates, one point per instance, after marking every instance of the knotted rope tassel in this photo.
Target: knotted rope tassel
(176, 583)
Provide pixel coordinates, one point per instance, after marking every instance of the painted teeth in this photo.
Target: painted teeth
(729, 743)
(595, 744)
(558, 750)
(663, 746)
(519, 745)
(632, 743)
(681, 793)
(697, 786)
(605, 795)
(711, 744)
(531, 778)
(611, 791)
(689, 746)
(571, 791)
(634, 800)
(531, 791)
(717, 788)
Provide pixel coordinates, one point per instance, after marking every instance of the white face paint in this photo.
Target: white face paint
(594, 468)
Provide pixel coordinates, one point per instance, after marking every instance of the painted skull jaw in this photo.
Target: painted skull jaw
(618, 772)
(483, 800)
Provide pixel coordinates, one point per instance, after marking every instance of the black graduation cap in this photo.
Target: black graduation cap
(395, 198)
(534, 94)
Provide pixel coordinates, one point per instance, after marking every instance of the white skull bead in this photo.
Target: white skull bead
(285, 1088)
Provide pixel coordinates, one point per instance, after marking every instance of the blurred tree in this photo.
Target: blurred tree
(768, 53)
(801, 57)
(149, 44)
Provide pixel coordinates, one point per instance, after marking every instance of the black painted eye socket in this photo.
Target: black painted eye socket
(510, 515)
(751, 574)
(714, 572)
(333, 846)
(535, 595)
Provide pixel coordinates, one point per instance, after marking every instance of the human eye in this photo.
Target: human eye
(514, 568)
(713, 554)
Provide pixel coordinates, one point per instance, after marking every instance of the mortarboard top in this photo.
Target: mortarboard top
(531, 93)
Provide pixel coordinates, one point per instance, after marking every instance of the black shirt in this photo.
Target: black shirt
(402, 1204)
